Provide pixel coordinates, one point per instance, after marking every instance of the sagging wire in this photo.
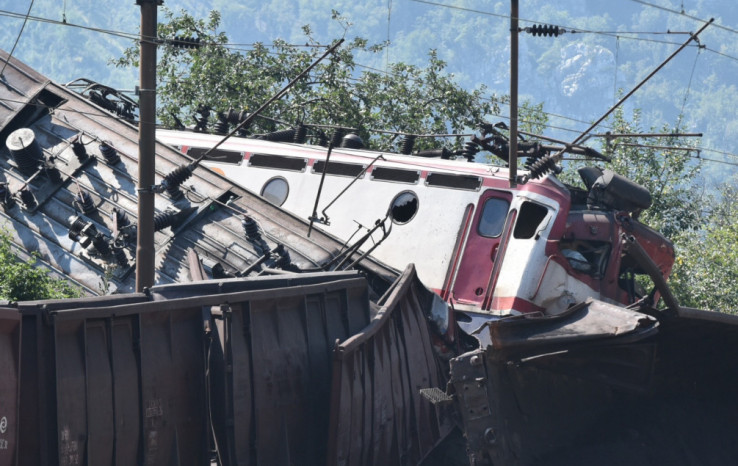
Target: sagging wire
(548, 163)
(615, 78)
(689, 85)
(25, 20)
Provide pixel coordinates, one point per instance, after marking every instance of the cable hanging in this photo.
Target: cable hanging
(10, 55)
(615, 78)
(689, 86)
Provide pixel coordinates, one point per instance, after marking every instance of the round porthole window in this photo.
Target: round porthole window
(404, 207)
(276, 190)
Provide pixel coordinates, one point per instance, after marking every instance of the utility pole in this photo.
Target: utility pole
(513, 156)
(146, 145)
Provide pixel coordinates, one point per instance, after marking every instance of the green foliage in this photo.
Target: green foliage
(706, 269)
(24, 281)
(663, 167)
(532, 118)
(406, 98)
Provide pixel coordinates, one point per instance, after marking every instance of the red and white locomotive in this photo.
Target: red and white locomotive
(480, 244)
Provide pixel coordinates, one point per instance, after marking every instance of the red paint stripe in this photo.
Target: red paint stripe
(515, 303)
(460, 241)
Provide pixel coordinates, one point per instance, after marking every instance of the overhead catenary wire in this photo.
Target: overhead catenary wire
(237, 46)
(620, 34)
(113, 117)
(17, 39)
(683, 13)
(689, 86)
(119, 33)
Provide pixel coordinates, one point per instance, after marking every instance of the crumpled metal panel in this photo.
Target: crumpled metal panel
(10, 334)
(137, 379)
(590, 320)
(271, 382)
(377, 413)
(609, 387)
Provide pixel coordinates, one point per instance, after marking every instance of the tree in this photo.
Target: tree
(24, 281)
(706, 269)
(212, 76)
(661, 165)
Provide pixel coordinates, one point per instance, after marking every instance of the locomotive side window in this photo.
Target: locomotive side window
(276, 190)
(493, 217)
(404, 207)
(529, 221)
(217, 155)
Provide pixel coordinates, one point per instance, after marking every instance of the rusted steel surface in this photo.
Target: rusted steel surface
(276, 336)
(10, 334)
(120, 382)
(145, 378)
(590, 320)
(279, 348)
(568, 391)
(377, 414)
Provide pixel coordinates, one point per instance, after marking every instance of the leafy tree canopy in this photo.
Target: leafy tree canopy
(665, 165)
(24, 281)
(706, 269)
(404, 98)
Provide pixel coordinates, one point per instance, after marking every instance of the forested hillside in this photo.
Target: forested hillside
(577, 75)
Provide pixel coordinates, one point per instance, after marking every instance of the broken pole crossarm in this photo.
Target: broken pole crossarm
(276, 96)
(536, 168)
(647, 135)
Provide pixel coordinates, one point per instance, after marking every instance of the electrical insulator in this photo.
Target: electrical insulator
(251, 228)
(408, 142)
(101, 244)
(120, 254)
(201, 122)
(174, 180)
(185, 42)
(79, 148)
(337, 137)
(27, 197)
(284, 135)
(109, 153)
(84, 202)
(6, 197)
(471, 149)
(120, 217)
(300, 134)
(543, 166)
(221, 126)
(163, 220)
(544, 30)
